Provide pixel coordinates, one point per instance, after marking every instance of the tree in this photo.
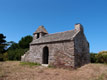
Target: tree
(24, 42)
(16, 50)
(2, 46)
(13, 45)
(16, 54)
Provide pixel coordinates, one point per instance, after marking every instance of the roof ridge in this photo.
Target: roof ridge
(59, 36)
(60, 32)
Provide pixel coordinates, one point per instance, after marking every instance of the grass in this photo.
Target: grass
(50, 66)
(30, 64)
(101, 77)
(16, 70)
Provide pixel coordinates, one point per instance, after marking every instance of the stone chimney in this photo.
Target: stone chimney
(79, 27)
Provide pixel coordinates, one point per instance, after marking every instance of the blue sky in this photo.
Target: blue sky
(19, 18)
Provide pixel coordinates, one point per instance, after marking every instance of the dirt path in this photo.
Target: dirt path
(12, 70)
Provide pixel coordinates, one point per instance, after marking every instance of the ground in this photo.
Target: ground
(13, 70)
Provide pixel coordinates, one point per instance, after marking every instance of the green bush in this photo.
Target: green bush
(5, 56)
(16, 54)
(16, 50)
(1, 57)
(93, 57)
(101, 57)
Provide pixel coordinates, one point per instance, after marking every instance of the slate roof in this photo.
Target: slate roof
(41, 29)
(61, 36)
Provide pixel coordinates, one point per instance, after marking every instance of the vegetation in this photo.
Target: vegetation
(24, 42)
(13, 70)
(101, 57)
(50, 66)
(30, 63)
(93, 57)
(14, 50)
(16, 54)
(3, 45)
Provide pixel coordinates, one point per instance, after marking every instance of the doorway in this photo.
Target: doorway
(45, 55)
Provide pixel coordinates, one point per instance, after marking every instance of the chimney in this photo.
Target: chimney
(79, 27)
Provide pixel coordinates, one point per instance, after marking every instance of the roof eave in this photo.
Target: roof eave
(51, 42)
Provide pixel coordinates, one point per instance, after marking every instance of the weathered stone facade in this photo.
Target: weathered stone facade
(64, 49)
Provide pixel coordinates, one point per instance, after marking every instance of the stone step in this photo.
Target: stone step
(45, 65)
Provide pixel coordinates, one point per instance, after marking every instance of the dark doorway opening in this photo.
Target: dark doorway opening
(38, 35)
(45, 55)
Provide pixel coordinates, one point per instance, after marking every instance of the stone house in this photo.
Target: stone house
(63, 49)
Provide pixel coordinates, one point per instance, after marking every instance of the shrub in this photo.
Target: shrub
(5, 56)
(16, 54)
(93, 57)
(30, 63)
(16, 50)
(102, 57)
(1, 57)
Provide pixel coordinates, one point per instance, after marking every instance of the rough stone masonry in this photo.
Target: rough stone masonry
(63, 49)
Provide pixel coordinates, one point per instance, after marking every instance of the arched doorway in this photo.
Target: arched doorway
(45, 55)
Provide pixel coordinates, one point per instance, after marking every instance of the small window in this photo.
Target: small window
(38, 35)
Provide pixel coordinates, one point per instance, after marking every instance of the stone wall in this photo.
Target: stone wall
(81, 50)
(61, 54)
